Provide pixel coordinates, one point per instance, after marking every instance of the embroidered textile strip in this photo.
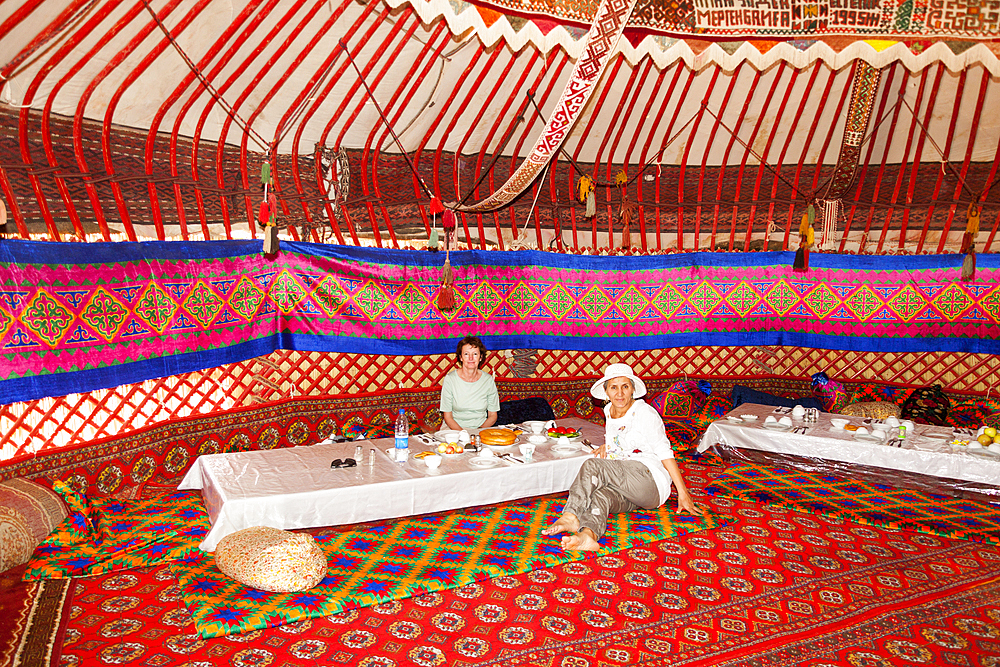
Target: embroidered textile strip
(76, 318)
(605, 30)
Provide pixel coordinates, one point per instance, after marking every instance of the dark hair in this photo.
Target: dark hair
(474, 342)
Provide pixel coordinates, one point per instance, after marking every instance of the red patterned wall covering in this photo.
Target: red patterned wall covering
(54, 423)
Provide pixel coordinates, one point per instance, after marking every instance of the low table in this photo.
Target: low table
(296, 487)
(926, 453)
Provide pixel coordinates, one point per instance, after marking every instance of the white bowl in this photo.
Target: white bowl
(526, 449)
(748, 418)
(433, 460)
(785, 421)
(486, 452)
(537, 439)
(534, 426)
(839, 424)
(861, 431)
(451, 438)
(770, 420)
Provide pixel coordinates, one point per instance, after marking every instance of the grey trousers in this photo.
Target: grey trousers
(603, 487)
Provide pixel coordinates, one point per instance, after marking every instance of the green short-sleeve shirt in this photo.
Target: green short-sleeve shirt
(469, 402)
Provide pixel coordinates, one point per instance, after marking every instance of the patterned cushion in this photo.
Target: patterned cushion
(681, 399)
(874, 409)
(876, 391)
(28, 513)
(831, 393)
(271, 560)
(928, 405)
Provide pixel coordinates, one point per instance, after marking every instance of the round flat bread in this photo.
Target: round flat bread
(497, 436)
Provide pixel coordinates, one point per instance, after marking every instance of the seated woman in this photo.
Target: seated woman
(469, 397)
(631, 470)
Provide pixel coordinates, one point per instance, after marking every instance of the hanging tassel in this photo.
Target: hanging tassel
(591, 209)
(446, 296)
(969, 243)
(625, 216)
(806, 237)
(585, 193)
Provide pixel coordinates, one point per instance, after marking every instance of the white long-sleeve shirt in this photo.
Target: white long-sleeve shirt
(640, 436)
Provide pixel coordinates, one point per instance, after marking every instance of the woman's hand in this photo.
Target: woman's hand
(685, 503)
(601, 452)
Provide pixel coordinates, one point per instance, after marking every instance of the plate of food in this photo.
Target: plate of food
(451, 450)
(498, 437)
(558, 432)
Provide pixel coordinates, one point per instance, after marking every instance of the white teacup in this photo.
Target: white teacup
(486, 452)
(798, 412)
(433, 460)
(785, 421)
(527, 450)
(839, 424)
(909, 425)
(463, 437)
(770, 420)
(861, 431)
(892, 421)
(537, 427)
(451, 438)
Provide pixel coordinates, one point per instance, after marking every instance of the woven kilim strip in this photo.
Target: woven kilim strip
(605, 30)
(76, 318)
(392, 561)
(864, 502)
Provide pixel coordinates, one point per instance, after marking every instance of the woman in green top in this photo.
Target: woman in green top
(469, 397)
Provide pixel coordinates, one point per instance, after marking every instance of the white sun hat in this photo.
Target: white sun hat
(618, 371)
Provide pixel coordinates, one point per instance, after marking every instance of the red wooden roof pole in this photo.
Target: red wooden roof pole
(887, 89)
(211, 74)
(338, 115)
(524, 110)
(917, 157)
(8, 192)
(973, 132)
(418, 191)
(666, 138)
(621, 118)
(308, 109)
(596, 105)
(844, 97)
(746, 154)
(387, 109)
(779, 163)
(986, 191)
(412, 80)
(460, 150)
(525, 133)
(172, 99)
(457, 113)
(300, 56)
(362, 101)
(757, 75)
(650, 98)
(52, 29)
(64, 51)
(956, 105)
(899, 172)
(126, 83)
(709, 142)
(25, 145)
(790, 223)
(248, 89)
(683, 166)
(119, 58)
(664, 99)
(761, 166)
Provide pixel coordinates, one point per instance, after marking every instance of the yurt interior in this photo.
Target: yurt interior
(327, 325)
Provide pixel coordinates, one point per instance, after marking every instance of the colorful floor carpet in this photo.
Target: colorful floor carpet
(390, 561)
(773, 587)
(33, 615)
(864, 502)
(133, 533)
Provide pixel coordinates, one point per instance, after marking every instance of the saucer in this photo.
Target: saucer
(484, 461)
(776, 426)
(565, 449)
(734, 419)
(748, 418)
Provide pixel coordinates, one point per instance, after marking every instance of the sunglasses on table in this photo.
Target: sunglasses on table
(346, 463)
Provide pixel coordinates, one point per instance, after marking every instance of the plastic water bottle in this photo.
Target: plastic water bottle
(402, 436)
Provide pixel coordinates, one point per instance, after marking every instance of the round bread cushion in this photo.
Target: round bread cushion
(28, 513)
(873, 409)
(271, 560)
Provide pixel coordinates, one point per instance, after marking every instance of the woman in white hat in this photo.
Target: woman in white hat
(633, 469)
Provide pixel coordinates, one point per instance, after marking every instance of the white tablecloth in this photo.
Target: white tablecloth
(296, 488)
(927, 452)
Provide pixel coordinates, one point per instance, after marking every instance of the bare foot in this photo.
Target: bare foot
(567, 523)
(585, 540)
